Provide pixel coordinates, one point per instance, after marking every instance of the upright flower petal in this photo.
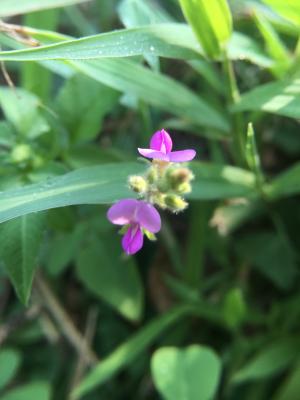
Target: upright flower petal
(133, 239)
(182, 155)
(148, 217)
(122, 212)
(161, 141)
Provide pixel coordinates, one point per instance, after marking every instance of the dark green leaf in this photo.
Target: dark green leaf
(9, 362)
(19, 250)
(22, 109)
(269, 361)
(30, 391)
(286, 184)
(82, 104)
(108, 274)
(271, 256)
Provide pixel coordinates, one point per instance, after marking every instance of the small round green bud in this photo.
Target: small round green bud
(138, 184)
(179, 175)
(21, 153)
(184, 188)
(159, 199)
(152, 175)
(175, 203)
(163, 185)
(38, 162)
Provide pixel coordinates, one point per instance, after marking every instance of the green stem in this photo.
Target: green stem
(196, 244)
(238, 125)
(172, 247)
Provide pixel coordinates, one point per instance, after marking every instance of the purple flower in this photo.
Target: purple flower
(138, 215)
(161, 149)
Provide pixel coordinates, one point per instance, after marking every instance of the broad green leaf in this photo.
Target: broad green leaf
(211, 22)
(10, 360)
(127, 352)
(280, 98)
(102, 269)
(289, 9)
(267, 362)
(93, 185)
(22, 109)
(286, 184)
(191, 374)
(30, 391)
(218, 181)
(19, 250)
(9, 8)
(82, 104)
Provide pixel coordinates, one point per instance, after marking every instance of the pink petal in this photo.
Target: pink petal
(148, 217)
(122, 212)
(161, 141)
(133, 240)
(182, 155)
(157, 155)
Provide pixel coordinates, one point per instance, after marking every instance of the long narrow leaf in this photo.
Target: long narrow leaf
(108, 183)
(166, 40)
(9, 8)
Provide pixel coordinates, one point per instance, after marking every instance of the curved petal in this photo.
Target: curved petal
(133, 240)
(161, 141)
(148, 217)
(157, 155)
(122, 212)
(182, 155)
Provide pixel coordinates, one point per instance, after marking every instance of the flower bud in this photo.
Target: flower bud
(180, 175)
(152, 175)
(159, 199)
(184, 188)
(175, 203)
(163, 185)
(21, 153)
(138, 184)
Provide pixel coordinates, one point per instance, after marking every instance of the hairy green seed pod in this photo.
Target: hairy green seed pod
(138, 184)
(159, 199)
(178, 176)
(175, 203)
(184, 188)
(152, 175)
